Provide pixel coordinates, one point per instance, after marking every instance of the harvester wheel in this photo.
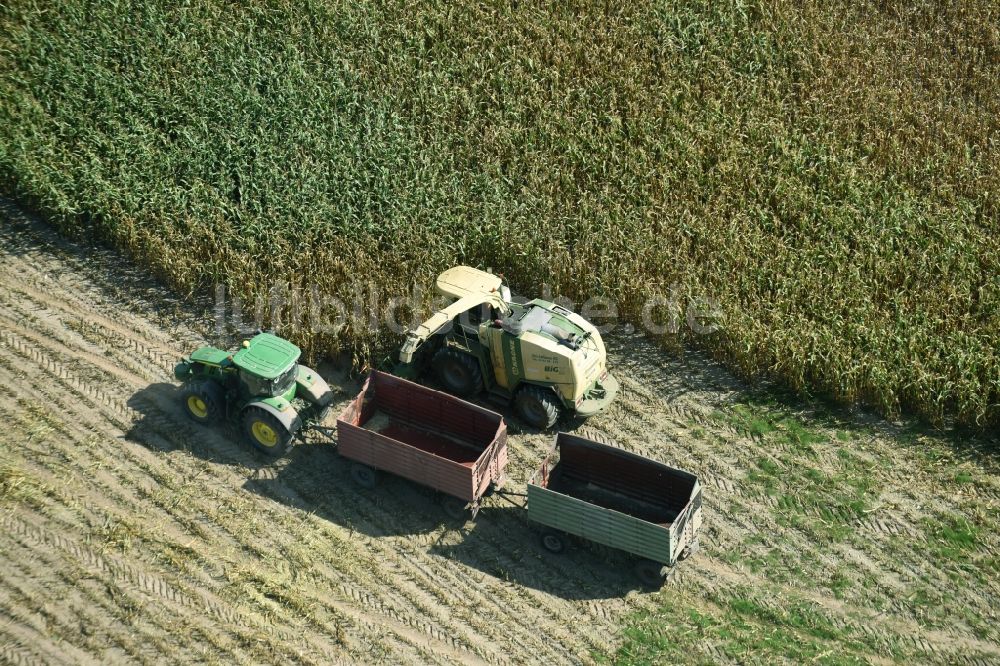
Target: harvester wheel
(266, 433)
(651, 574)
(553, 542)
(202, 402)
(538, 407)
(459, 373)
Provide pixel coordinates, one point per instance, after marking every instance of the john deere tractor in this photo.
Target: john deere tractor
(544, 358)
(261, 385)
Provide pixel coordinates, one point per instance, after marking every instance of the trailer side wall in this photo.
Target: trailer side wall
(646, 482)
(600, 525)
(433, 411)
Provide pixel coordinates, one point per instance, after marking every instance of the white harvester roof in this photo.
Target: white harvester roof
(462, 281)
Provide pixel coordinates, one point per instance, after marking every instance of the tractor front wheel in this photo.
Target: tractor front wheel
(537, 407)
(266, 433)
(459, 373)
(202, 402)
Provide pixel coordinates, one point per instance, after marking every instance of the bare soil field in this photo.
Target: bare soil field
(130, 534)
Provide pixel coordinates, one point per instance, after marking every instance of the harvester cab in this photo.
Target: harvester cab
(262, 385)
(544, 358)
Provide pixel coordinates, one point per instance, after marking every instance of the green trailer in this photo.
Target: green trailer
(607, 495)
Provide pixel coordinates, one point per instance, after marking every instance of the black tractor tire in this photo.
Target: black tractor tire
(552, 541)
(458, 373)
(538, 407)
(202, 402)
(266, 433)
(364, 476)
(651, 574)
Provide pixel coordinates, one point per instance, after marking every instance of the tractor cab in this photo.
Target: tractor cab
(268, 366)
(463, 282)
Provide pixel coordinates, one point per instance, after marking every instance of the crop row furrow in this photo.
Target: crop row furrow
(166, 425)
(16, 654)
(126, 372)
(42, 360)
(149, 583)
(427, 574)
(62, 323)
(25, 278)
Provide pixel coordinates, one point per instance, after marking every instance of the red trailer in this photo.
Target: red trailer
(427, 436)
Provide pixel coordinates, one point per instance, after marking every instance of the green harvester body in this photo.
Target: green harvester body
(545, 359)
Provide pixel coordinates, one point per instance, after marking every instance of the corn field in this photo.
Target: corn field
(825, 171)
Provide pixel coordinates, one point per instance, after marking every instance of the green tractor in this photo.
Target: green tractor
(547, 360)
(262, 385)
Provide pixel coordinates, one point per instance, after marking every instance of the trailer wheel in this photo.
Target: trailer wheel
(363, 475)
(538, 407)
(553, 542)
(202, 402)
(689, 550)
(454, 507)
(266, 433)
(651, 574)
(459, 373)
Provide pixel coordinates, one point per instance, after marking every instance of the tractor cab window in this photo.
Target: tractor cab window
(255, 385)
(258, 386)
(285, 380)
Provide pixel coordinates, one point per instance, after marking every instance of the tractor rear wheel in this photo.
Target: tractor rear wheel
(266, 433)
(202, 402)
(538, 407)
(459, 373)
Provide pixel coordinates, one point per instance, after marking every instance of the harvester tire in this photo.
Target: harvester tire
(458, 373)
(202, 402)
(537, 407)
(266, 433)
